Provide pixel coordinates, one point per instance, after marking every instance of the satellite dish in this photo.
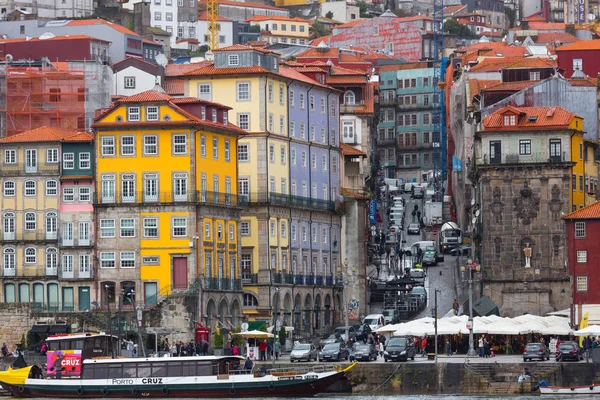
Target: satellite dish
(9, 58)
(591, 17)
(161, 60)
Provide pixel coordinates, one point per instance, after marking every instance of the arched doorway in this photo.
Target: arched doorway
(211, 312)
(297, 316)
(318, 312)
(306, 317)
(340, 309)
(287, 309)
(327, 318)
(235, 313)
(276, 306)
(223, 312)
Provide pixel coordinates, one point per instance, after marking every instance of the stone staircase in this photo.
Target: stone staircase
(502, 379)
(486, 371)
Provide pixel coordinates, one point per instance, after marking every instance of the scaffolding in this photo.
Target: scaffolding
(64, 95)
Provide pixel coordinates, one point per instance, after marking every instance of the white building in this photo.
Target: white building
(132, 76)
(49, 9)
(225, 31)
(341, 11)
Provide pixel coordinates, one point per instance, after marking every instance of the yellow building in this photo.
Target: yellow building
(275, 29)
(167, 205)
(578, 169)
(591, 170)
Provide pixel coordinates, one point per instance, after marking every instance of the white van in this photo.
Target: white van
(375, 321)
(412, 250)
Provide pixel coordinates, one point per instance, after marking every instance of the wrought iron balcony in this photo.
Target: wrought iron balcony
(533, 158)
(226, 284)
(198, 196)
(249, 278)
(30, 271)
(290, 201)
(387, 141)
(29, 236)
(352, 108)
(27, 169)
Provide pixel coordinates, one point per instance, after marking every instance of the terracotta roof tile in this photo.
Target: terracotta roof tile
(349, 193)
(332, 80)
(494, 64)
(588, 82)
(337, 70)
(546, 26)
(350, 24)
(181, 69)
(174, 87)
(509, 86)
(331, 52)
(593, 44)
(555, 37)
(476, 85)
(547, 117)
(79, 137)
(77, 178)
(41, 134)
(192, 100)
(241, 47)
(319, 40)
(211, 70)
(97, 21)
(588, 212)
(350, 151)
(148, 95)
(452, 9)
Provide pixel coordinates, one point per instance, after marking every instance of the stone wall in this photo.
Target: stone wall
(16, 322)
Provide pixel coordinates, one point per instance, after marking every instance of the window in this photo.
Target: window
(9, 188)
(271, 122)
(107, 228)
(534, 76)
(314, 234)
(215, 148)
(348, 129)
(30, 221)
(281, 95)
(303, 233)
(10, 156)
(282, 154)
(582, 283)
(133, 113)
(84, 193)
(152, 113)
(179, 227)
(150, 145)
(108, 146)
(9, 260)
(51, 188)
(219, 231)
(107, 260)
(68, 194)
(30, 255)
(129, 82)
(510, 120)
(84, 161)
(349, 98)
(303, 159)
(579, 229)
(311, 103)
(272, 228)
(272, 153)
(231, 233)
(243, 91)
(582, 256)
(127, 259)
(525, 147)
(302, 101)
(214, 115)
(426, 119)
(245, 228)
(313, 160)
(51, 156)
(313, 133)
(168, 16)
(30, 188)
(281, 125)
(324, 235)
(270, 92)
(205, 91)
(244, 121)
(302, 130)
(68, 160)
(242, 152)
(334, 165)
(179, 144)
(127, 227)
(577, 64)
(157, 16)
(127, 145)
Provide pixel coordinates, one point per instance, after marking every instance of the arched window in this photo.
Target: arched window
(51, 225)
(8, 224)
(51, 259)
(30, 221)
(30, 255)
(9, 188)
(9, 261)
(30, 188)
(9, 293)
(349, 97)
(250, 300)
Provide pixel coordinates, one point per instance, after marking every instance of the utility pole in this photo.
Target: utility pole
(435, 323)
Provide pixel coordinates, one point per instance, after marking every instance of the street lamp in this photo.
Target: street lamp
(472, 267)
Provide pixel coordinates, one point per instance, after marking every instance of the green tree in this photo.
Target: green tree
(237, 339)
(329, 15)
(263, 328)
(254, 28)
(318, 30)
(282, 336)
(400, 12)
(453, 27)
(218, 344)
(364, 9)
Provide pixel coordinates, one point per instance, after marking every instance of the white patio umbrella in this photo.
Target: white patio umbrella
(287, 329)
(592, 330)
(389, 328)
(255, 334)
(557, 329)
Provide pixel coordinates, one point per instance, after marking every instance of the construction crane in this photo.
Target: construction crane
(439, 106)
(212, 23)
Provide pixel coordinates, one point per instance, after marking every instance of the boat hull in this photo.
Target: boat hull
(277, 387)
(563, 391)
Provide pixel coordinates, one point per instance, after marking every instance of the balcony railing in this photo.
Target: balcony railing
(26, 169)
(388, 101)
(533, 158)
(249, 278)
(74, 274)
(222, 284)
(291, 201)
(387, 141)
(71, 241)
(29, 236)
(30, 271)
(417, 106)
(198, 196)
(415, 146)
(351, 108)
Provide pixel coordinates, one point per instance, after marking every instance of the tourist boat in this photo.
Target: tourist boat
(171, 377)
(562, 391)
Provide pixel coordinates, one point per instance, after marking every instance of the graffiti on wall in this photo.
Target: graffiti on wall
(353, 306)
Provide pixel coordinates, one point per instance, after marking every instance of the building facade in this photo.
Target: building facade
(405, 131)
(282, 29)
(47, 9)
(170, 226)
(524, 166)
(289, 234)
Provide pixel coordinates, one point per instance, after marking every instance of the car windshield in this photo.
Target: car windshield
(566, 346)
(418, 290)
(417, 274)
(371, 321)
(397, 342)
(388, 313)
(362, 347)
(429, 255)
(452, 234)
(332, 346)
(302, 347)
(413, 226)
(533, 346)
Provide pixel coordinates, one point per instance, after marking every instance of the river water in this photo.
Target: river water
(421, 397)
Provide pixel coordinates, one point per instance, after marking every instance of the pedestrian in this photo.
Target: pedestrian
(43, 350)
(277, 348)
(423, 346)
(455, 307)
(448, 347)
(4, 350)
(419, 216)
(177, 349)
(204, 347)
(262, 348)
(235, 350)
(480, 344)
(166, 345)
(248, 365)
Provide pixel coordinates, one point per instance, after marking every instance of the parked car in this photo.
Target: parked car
(391, 316)
(432, 249)
(341, 330)
(303, 351)
(364, 352)
(418, 275)
(363, 333)
(429, 259)
(333, 338)
(418, 192)
(418, 291)
(375, 321)
(400, 349)
(569, 351)
(413, 229)
(536, 350)
(334, 352)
